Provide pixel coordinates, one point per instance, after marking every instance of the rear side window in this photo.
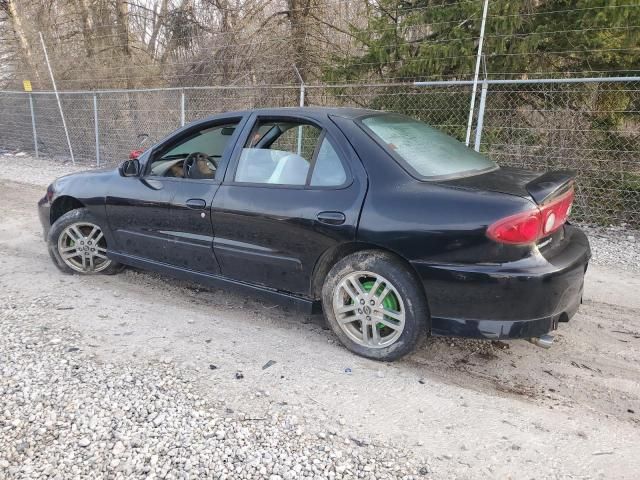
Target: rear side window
(289, 154)
(427, 152)
(328, 171)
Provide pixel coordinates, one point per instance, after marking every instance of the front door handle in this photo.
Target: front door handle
(196, 204)
(331, 218)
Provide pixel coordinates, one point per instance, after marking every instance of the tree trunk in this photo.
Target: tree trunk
(172, 42)
(299, 23)
(82, 7)
(122, 17)
(122, 14)
(157, 24)
(9, 6)
(226, 51)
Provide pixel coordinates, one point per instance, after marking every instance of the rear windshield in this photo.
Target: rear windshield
(427, 152)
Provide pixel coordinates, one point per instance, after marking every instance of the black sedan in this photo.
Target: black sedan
(394, 229)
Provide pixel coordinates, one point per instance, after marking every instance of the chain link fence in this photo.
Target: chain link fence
(591, 126)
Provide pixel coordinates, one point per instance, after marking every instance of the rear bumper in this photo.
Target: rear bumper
(502, 329)
(521, 299)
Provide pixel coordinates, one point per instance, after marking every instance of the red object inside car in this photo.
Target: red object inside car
(134, 154)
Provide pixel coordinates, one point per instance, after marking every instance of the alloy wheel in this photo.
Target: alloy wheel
(369, 309)
(83, 248)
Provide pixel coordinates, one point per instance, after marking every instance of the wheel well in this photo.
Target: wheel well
(332, 256)
(63, 205)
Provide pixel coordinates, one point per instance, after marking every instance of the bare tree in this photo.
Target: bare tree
(82, 7)
(9, 7)
(134, 43)
(299, 20)
(158, 22)
(122, 15)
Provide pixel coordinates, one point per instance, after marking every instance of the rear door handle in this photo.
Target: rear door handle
(331, 218)
(196, 204)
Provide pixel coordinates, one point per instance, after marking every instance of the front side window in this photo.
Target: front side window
(427, 152)
(284, 153)
(195, 157)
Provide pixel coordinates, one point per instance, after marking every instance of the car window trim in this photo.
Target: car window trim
(314, 157)
(405, 165)
(252, 121)
(166, 145)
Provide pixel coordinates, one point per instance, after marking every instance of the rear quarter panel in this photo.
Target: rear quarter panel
(428, 221)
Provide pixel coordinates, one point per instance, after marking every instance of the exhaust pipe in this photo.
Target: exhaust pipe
(543, 341)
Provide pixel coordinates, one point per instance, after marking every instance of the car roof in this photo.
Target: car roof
(314, 112)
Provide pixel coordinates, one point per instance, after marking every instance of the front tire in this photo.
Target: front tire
(375, 305)
(77, 244)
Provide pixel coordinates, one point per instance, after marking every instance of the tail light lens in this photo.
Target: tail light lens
(532, 225)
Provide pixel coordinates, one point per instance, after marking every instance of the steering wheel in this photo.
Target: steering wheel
(191, 169)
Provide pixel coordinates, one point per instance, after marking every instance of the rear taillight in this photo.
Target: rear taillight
(555, 213)
(532, 225)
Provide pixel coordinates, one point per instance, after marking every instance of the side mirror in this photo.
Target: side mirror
(130, 168)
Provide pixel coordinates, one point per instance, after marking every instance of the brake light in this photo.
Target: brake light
(531, 226)
(555, 214)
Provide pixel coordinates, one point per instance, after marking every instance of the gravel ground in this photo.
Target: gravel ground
(615, 246)
(135, 375)
(66, 415)
(23, 168)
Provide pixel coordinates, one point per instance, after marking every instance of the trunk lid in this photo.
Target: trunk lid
(551, 192)
(535, 186)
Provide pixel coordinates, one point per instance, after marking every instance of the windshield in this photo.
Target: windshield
(427, 152)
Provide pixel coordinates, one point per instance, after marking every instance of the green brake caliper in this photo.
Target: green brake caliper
(390, 302)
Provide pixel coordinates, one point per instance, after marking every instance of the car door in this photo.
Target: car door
(294, 190)
(138, 212)
(189, 234)
(163, 215)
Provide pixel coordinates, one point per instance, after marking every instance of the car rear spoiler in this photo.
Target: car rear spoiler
(550, 185)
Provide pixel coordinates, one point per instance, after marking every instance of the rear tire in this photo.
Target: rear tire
(375, 305)
(76, 244)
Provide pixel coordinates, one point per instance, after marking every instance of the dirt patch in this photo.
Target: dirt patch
(477, 409)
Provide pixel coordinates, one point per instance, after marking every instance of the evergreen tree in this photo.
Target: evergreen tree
(407, 40)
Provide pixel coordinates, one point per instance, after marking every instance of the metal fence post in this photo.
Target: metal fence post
(301, 103)
(477, 72)
(302, 85)
(302, 92)
(33, 127)
(182, 107)
(97, 130)
(55, 90)
(480, 122)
